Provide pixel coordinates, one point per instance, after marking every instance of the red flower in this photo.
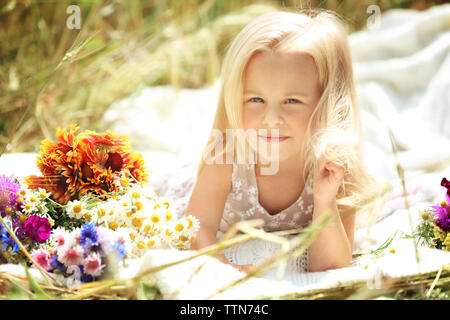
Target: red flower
(446, 184)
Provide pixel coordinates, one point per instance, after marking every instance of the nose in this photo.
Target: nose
(272, 117)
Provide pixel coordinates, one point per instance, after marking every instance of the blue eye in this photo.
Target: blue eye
(256, 99)
(292, 100)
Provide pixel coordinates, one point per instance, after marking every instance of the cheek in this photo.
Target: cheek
(299, 125)
(249, 120)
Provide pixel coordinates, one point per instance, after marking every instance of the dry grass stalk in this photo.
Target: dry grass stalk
(401, 173)
(358, 289)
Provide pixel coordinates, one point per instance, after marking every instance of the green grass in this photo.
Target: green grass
(121, 47)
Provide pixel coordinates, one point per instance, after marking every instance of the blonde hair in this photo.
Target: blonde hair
(334, 129)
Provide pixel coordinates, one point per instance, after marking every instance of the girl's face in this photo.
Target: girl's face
(281, 91)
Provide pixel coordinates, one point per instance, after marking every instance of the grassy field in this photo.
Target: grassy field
(53, 76)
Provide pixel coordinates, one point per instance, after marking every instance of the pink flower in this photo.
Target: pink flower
(61, 237)
(70, 255)
(60, 240)
(42, 257)
(93, 265)
(77, 235)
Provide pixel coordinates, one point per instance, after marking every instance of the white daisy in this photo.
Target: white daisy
(152, 242)
(76, 209)
(100, 214)
(29, 207)
(190, 224)
(138, 244)
(148, 228)
(157, 217)
(43, 194)
(168, 233)
(23, 191)
(122, 182)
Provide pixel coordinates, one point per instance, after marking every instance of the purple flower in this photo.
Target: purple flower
(37, 228)
(442, 219)
(18, 228)
(8, 190)
(442, 211)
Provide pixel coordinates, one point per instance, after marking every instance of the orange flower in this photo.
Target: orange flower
(76, 165)
(59, 162)
(135, 165)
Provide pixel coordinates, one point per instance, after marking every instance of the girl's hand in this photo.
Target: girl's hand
(328, 177)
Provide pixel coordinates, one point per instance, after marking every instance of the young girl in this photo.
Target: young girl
(288, 77)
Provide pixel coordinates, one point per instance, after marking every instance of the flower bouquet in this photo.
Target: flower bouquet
(434, 229)
(91, 200)
(81, 255)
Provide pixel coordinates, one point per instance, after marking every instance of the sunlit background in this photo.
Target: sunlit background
(52, 76)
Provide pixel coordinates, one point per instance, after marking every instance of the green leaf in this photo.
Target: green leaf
(39, 293)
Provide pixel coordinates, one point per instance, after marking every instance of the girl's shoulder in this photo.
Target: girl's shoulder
(217, 173)
(219, 164)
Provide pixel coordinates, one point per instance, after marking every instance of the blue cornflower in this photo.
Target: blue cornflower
(89, 235)
(58, 265)
(85, 277)
(120, 248)
(8, 240)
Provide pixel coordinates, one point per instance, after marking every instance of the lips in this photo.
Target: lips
(273, 138)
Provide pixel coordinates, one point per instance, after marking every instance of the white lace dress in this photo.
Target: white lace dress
(243, 204)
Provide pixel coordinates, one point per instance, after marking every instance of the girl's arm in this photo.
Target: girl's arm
(207, 203)
(333, 248)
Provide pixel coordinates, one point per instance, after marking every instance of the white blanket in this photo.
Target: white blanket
(402, 78)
